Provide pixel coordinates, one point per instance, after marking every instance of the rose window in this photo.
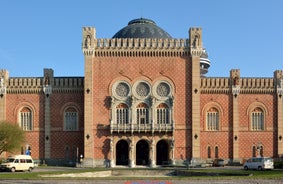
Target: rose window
(163, 89)
(122, 89)
(142, 89)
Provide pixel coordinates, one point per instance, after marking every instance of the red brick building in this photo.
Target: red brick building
(145, 100)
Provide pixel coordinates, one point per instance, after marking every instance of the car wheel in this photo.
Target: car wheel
(13, 169)
(246, 168)
(259, 168)
(30, 169)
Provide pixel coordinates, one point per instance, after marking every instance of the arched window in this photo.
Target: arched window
(70, 119)
(162, 112)
(26, 120)
(257, 119)
(208, 152)
(216, 152)
(67, 152)
(254, 151)
(122, 114)
(212, 119)
(142, 114)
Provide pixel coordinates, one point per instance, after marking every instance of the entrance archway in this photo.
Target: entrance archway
(162, 153)
(142, 153)
(122, 153)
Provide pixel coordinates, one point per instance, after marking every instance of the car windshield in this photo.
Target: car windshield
(268, 159)
(9, 160)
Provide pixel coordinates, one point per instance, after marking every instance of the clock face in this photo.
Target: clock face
(122, 89)
(163, 89)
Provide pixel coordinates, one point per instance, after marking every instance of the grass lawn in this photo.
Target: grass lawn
(197, 174)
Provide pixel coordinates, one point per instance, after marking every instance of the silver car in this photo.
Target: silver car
(259, 163)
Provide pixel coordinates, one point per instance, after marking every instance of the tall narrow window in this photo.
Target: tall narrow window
(162, 114)
(254, 151)
(208, 152)
(142, 114)
(67, 152)
(122, 114)
(26, 119)
(257, 119)
(212, 119)
(70, 119)
(216, 152)
(261, 151)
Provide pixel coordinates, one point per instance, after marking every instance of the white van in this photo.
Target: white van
(18, 163)
(259, 163)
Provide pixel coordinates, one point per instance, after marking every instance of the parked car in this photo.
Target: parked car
(218, 162)
(18, 162)
(259, 163)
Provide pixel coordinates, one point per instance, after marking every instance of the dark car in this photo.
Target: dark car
(218, 162)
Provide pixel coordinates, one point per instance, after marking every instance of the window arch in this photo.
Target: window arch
(162, 112)
(212, 119)
(254, 151)
(257, 119)
(26, 119)
(122, 114)
(216, 152)
(142, 114)
(71, 119)
(208, 152)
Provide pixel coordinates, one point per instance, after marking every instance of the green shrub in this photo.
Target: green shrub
(278, 164)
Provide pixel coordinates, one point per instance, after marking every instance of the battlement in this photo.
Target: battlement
(247, 85)
(140, 43)
(215, 85)
(132, 47)
(35, 85)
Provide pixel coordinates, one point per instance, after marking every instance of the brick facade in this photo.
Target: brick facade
(186, 135)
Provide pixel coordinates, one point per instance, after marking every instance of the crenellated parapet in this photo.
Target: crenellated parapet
(138, 47)
(68, 84)
(35, 85)
(215, 85)
(278, 82)
(256, 85)
(240, 85)
(24, 85)
(141, 47)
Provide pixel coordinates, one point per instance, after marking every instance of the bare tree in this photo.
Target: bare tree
(11, 137)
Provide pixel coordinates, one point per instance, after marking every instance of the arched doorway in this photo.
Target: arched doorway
(142, 153)
(162, 153)
(122, 153)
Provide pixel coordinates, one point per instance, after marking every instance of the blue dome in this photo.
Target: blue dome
(142, 28)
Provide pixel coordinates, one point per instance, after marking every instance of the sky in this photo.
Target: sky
(237, 34)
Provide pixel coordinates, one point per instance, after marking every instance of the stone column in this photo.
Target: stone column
(4, 75)
(278, 77)
(47, 137)
(47, 89)
(88, 48)
(195, 50)
(132, 154)
(172, 150)
(112, 162)
(235, 78)
(152, 153)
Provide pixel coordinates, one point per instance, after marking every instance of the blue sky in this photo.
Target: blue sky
(239, 34)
